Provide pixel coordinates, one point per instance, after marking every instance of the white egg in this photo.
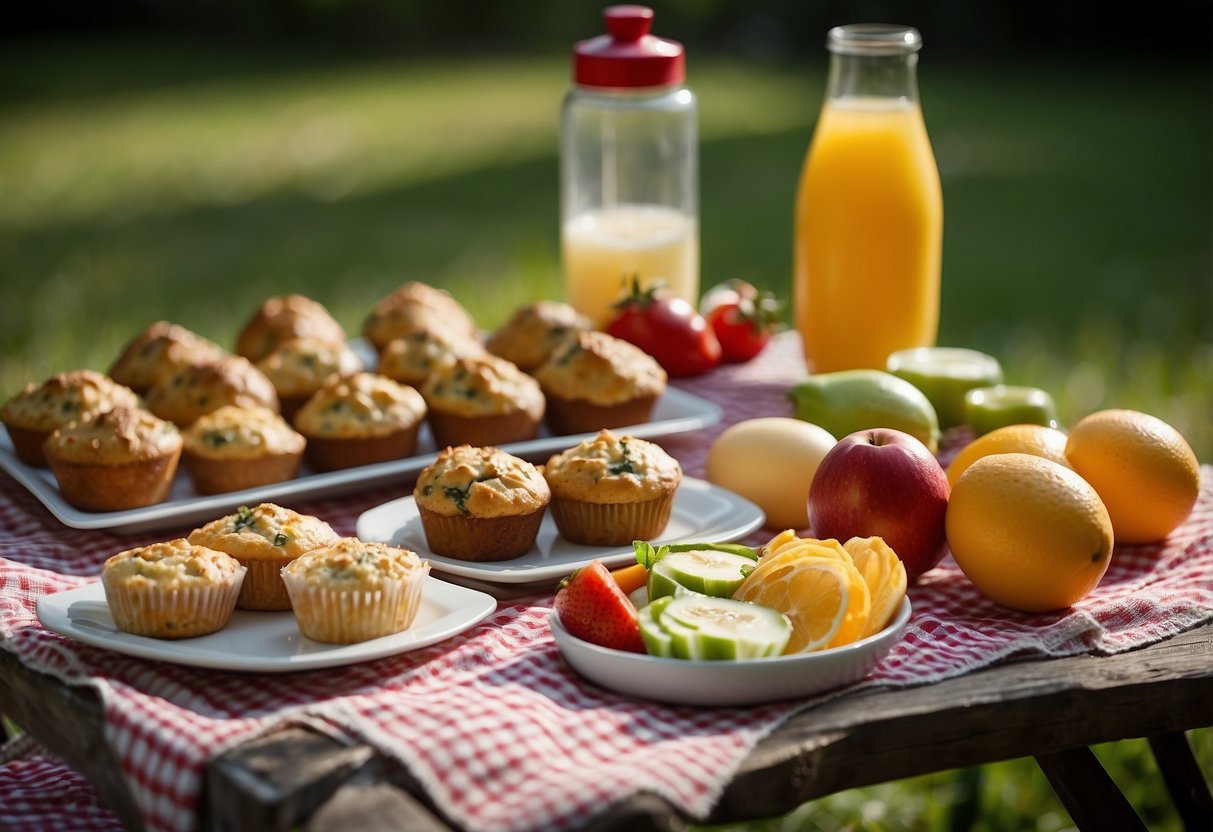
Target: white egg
(771, 462)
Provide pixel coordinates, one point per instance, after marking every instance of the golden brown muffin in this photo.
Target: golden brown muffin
(199, 389)
(534, 331)
(233, 448)
(34, 413)
(354, 591)
(161, 350)
(265, 539)
(285, 318)
(358, 420)
(611, 490)
(114, 460)
(412, 358)
(413, 306)
(482, 400)
(300, 367)
(172, 589)
(480, 504)
(594, 381)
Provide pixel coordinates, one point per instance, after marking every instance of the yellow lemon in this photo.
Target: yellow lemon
(1029, 533)
(1142, 468)
(1037, 440)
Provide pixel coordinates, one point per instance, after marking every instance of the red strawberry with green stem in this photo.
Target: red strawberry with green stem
(592, 607)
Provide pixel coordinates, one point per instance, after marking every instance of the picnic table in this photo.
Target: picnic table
(491, 730)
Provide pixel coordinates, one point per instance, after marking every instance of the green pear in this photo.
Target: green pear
(845, 401)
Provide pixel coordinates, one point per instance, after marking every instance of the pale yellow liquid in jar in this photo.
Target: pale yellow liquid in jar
(603, 249)
(869, 233)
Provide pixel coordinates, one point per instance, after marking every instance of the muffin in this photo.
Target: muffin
(160, 350)
(594, 380)
(353, 591)
(482, 400)
(173, 589)
(412, 358)
(534, 331)
(300, 367)
(114, 460)
(264, 539)
(285, 318)
(37, 411)
(240, 447)
(480, 504)
(199, 389)
(611, 490)
(413, 306)
(358, 420)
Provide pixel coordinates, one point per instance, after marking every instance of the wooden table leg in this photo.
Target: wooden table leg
(1088, 793)
(1184, 780)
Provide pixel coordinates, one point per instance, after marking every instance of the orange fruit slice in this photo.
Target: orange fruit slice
(1029, 533)
(885, 575)
(1142, 468)
(1037, 440)
(825, 597)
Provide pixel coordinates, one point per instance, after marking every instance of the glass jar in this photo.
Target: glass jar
(628, 167)
(869, 210)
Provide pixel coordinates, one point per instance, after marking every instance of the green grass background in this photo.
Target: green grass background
(145, 179)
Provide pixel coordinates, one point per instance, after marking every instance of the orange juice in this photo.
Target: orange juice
(604, 248)
(868, 235)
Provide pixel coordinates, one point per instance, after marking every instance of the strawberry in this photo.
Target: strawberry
(592, 607)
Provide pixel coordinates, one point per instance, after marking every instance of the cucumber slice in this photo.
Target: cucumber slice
(721, 628)
(706, 571)
(657, 642)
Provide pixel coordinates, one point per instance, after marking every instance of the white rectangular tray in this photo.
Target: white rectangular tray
(675, 412)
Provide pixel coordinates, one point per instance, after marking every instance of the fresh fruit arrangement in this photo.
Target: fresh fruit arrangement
(722, 601)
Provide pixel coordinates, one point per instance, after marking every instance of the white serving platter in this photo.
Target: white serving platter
(728, 683)
(675, 412)
(702, 513)
(263, 642)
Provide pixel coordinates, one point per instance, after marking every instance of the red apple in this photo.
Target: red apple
(882, 482)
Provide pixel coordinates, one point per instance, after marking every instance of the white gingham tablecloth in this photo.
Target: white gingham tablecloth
(501, 732)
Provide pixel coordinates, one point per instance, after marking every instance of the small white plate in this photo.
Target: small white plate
(702, 513)
(675, 412)
(263, 642)
(728, 683)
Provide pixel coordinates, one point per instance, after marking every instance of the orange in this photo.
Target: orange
(885, 575)
(825, 598)
(1143, 469)
(1037, 440)
(1029, 533)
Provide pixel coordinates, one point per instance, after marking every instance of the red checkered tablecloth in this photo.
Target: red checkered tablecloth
(503, 735)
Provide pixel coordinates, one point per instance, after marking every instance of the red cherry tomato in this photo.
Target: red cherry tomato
(667, 328)
(742, 317)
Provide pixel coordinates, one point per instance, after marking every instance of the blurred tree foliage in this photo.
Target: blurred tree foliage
(759, 29)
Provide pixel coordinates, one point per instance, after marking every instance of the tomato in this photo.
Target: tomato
(742, 317)
(667, 328)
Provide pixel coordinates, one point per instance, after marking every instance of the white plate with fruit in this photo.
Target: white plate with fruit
(723, 625)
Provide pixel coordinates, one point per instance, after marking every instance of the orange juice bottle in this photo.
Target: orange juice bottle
(869, 211)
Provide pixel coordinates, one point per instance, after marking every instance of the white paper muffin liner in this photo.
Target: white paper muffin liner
(337, 616)
(157, 612)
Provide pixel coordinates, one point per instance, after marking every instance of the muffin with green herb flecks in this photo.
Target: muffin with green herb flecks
(611, 490)
(480, 504)
(264, 539)
(234, 448)
(482, 400)
(359, 420)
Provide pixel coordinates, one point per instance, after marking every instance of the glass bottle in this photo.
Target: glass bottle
(869, 210)
(629, 167)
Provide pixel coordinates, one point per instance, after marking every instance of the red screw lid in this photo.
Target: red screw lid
(628, 56)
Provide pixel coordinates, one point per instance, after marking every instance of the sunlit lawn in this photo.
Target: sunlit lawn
(143, 181)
